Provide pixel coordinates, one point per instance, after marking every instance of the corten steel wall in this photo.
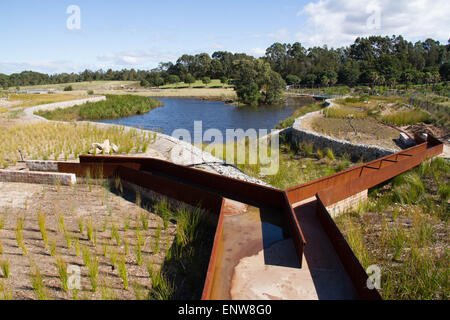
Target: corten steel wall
(231, 188)
(398, 161)
(190, 185)
(356, 272)
(207, 287)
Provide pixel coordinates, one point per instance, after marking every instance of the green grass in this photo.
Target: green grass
(403, 228)
(115, 106)
(85, 85)
(289, 122)
(4, 265)
(215, 83)
(37, 281)
(407, 117)
(342, 112)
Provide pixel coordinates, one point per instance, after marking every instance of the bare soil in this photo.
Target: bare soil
(74, 203)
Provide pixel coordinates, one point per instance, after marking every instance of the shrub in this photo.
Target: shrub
(68, 88)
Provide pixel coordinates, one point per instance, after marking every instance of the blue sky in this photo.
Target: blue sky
(124, 34)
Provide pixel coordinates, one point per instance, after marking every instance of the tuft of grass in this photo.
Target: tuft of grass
(86, 256)
(42, 227)
(115, 234)
(62, 272)
(113, 257)
(93, 273)
(19, 235)
(162, 288)
(144, 219)
(5, 292)
(90, 229)
(37, 281)
(61, 223)
(4, 265)
(81, 225)
(122, 270)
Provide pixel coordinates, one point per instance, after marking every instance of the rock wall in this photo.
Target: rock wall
(297, 134)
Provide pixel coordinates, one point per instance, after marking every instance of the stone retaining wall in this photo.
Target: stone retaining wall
(65, 179)
(356, 150)
(40, 165)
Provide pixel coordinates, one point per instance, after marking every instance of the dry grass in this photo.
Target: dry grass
(57, 141)
(24, 100)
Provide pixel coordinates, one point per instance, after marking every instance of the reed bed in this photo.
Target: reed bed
(59, 141)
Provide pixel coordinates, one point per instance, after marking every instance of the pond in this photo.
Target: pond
(180, 113)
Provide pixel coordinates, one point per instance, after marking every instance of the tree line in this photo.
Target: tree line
(374, 60)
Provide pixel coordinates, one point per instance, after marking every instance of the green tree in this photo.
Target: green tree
(223, 81)
(173, 78)
(189, 79)
(256, 83)
(292, 79)
(144, 83)
(206, 80)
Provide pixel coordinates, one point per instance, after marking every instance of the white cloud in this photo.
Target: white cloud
(257, 52)
(338, 22)
(136, 58)
(282, 35)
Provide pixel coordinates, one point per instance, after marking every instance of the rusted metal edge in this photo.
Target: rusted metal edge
(294, 228)
(250, 191)
(353, 267)
(306, 190)
(207, 287)
(347, 189)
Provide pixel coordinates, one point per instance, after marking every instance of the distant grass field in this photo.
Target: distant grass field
(93, 85)
(30, 100)
(215, 83)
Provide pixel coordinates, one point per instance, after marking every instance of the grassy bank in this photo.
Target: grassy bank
(403, 228)
(289, 122)
(112, 108)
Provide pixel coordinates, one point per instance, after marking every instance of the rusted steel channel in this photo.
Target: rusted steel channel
(210, 191)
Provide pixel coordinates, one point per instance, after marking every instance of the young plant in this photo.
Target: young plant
(62, 271)
(86, 256)
(68, 238)
(4, 264)
(93, 273)
(42, 227)
(80, 225)
(139, 291)
(5, 292)
(38, 283)
(19, 235)
(90, 230)
(61, 223)
(144, 220)
(53, 248)
(77, 246)
(115, 234)
(122, 269)
(113, 257)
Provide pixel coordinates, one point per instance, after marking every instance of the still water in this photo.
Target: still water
(182, 112)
